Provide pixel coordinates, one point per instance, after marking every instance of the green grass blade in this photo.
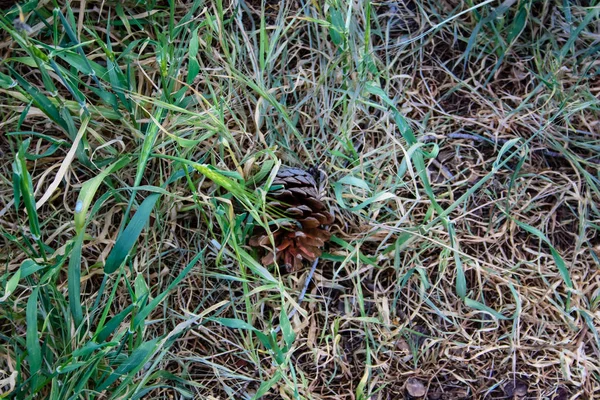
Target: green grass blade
(26, 190)
(88, 190)
(194, 66)
(11, 285)
(289, 336)
(234, 323)
(482, 307)
(74, 280)
(131, 365)
(73, 37)
(91, 347)
(130, 234)
(113, 324)
(589, 17)
(146, 150)
(16, 180)
(40, 101)
(34, 349)
(558, 260)
(144, 312)
(267, 385)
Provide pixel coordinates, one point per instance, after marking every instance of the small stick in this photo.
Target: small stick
(303, 292)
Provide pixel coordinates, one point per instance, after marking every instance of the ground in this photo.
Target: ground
(461, 143)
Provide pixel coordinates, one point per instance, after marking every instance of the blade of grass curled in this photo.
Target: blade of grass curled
(65, 164)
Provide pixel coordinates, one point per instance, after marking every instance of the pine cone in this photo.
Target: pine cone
(303, 237)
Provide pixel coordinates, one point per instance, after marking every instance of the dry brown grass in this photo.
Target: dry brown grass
(384, 309)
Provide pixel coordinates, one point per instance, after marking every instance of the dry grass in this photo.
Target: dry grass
(464, 258)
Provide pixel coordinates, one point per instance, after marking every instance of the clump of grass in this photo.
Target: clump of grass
(461, 144)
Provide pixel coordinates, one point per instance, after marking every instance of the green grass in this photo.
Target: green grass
(461, 142)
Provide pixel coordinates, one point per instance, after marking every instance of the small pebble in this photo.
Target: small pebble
(415, 388)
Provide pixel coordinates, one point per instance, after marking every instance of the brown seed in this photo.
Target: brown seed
(561, 394)
(516, 389)
(415, 388)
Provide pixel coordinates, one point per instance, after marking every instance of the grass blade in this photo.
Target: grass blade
(131, 365)
(129, 236)
(558, 260)
(144, 312)
(113, 324)
(88, 190)
(74, 281)
(65, 163)
(34, 350)
(40, 101)
(26, 190)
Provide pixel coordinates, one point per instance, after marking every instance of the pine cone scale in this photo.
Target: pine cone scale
(310, 222)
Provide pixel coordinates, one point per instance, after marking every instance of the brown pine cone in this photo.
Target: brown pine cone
(303, 237)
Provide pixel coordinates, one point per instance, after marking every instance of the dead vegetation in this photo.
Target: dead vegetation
(461, 143)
